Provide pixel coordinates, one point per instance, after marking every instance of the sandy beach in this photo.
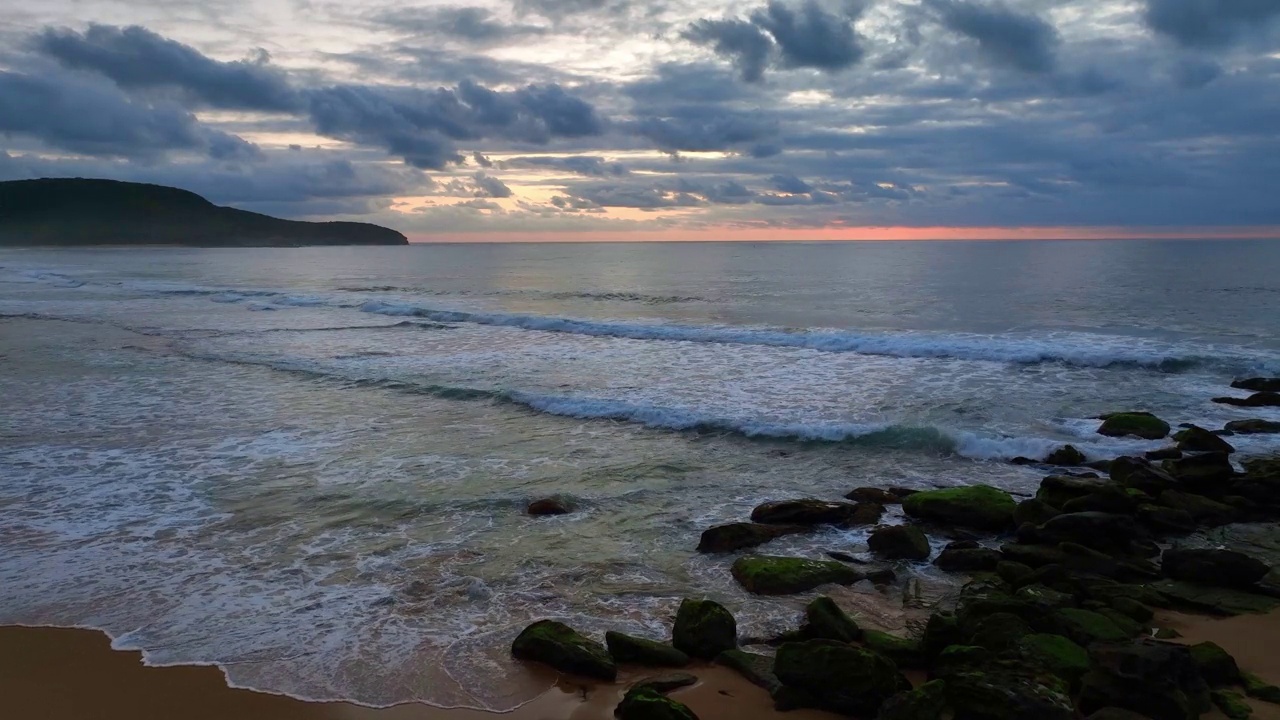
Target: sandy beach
(71, 674)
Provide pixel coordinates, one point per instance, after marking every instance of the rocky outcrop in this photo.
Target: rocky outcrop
(1138, 424)
(802, 512)
(767, 575)
(740, 536)
(1197, 439)
(704, 629)
(1252, 427)
(560, 646)
(899, 542)
(1261, 399)
(1222, 568)
(1154, 679)
(824, 620)
(835, 676)
(1258, 384)
(977, 506)
(1066, 456)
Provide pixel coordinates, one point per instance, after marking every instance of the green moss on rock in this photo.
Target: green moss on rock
(1004, 695)
(1256, 687)
(756, 668)
(824, 620)
(1216, 665)
(899, 542)
(924, 703)
(838, 677)
(1057, 654)
(977, 506)
(640, 651)
(704, 629)
(560, 646)
(645, 703)
(767, 575)
(1086, 626)
(1232, 704)
(1141, 424)
(904, 652)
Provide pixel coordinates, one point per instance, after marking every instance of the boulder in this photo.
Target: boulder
(1133, 609)
(1140, 424)
(560, 646)
(1257, 384)
(903, 652)
(874, 495)
(957, 659)
(1114, 713)
(1202, 471)
(1013, 573)
(977, 506)
(965, 560)
(1213, 600)
(1058, 490)
(1108, 499)
(767, 575)
(1232, 704)
(643, 702)
(865, 513)
(802, 512)
(1055, 653)
(1044, 599)
(739, 536)
(1099, 530)
(899, 542)
(549, 506)
(998, 632)
(838, 677)
(704, 629)
(1086, 627)
(1253, 427)
(1216, 666)
(1222, 568)
(1197, 439)
(1256, 687)
(1140, 475)
(1166, 520)
(824, 620)
(756, 668)
(1169, 453)
(1158, 680)
(941, 630)
(1035, 556)
(924, 703)
(1034, 511)
(1066, 456)
(1261, 399)
(667, 682)
(1201, 509)
(1008, 695)
(639, 651)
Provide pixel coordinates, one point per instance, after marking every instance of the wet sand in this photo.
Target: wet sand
(63, 674)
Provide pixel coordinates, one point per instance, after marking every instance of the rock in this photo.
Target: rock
(1142, 424)
(644, 703)
(1232, 704)
(1158, 680)
(1013, 572)
(739, 536)
(865, 513)
(560, 646)
(1113, 713)
(1008, 695)
(1216, 666)
(1141, 475)
(704, 629)
(902, 651)
(976, 560)
(802, 512)
(1222, 568)
(1056, 654)
(1200, 508)
(874, 495)
(959, 658)
(1197, 439)
(1253, 427)
(1080, 559)
(882, 576)
(1058, 490)
(1067, 456)
(924, 703)
(824, 620)
(549, 506)
(978, 506)
(940, 631)
(1086, 627)
(1034, 511)
(1213, 600)
(899, 542)
(1044, 599)
(639, 651)
(1035, 556)
(839, 677)
(1256, 687)
(1257, 384)
(756, 668)
(1099, 530)
(1202, 471)
(1262, 399)
(1107, 499)
(902, 492)
(1166, 520)
(1133, 609)
(767, 575)
(1169, 453)
(999, 632)
(845, 557)
(668, 682)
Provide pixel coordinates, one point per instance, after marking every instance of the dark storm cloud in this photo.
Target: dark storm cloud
(481, 159)
(421, 126)
(135, 57)
(745, 44)
(81, 115)
(704, 134)
(492, 187)
(1004, 36)
(807, 36)
(789, 184)
(1210, 23)
(467, 24)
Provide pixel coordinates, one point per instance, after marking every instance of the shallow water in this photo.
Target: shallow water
(309, 466)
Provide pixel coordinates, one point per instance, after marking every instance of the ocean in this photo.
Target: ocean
(310, 466)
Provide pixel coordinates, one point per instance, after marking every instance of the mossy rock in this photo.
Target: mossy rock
(1066, 456)
(1035, 556)
(978, 559)
(805, 511)
(1058, 490)
(1008, 696)
(768, 575)
(1013, 572)
(560, 646)
(1140, 424)
(640, 651)
(1216, 665)
(904, 652)
(1057, 654)
(977, 506)
(1034, 511)
(1256, 687)
(959, 658)
(704, 629)
(824, 620)
(1044, 599)
(1127, 625)
(1213, 600)
(1202, 510)
(740, 536)
(924, 703)
(838, 677)
(645, 703)
(756, 668)
(1253, 427)
(1114, 713)
(1197, 439)
(999, 631)
(941, 630)
(899, 542)
(1232, 704)
(667, 682)
(1224, 568)
(1086, 627)
(1133, 609)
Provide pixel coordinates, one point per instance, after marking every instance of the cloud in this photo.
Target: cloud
(1004, 36)
(76, 113)
(805, 37)
(790, 184)
(487, 186)
(475, 25)
(588, 165)
(743, 42)
(694, 129)
(135, 57)
(1210, 23)
(481, 159)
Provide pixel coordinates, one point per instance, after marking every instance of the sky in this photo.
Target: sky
(667, 119)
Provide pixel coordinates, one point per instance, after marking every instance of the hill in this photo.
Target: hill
(83, 212)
